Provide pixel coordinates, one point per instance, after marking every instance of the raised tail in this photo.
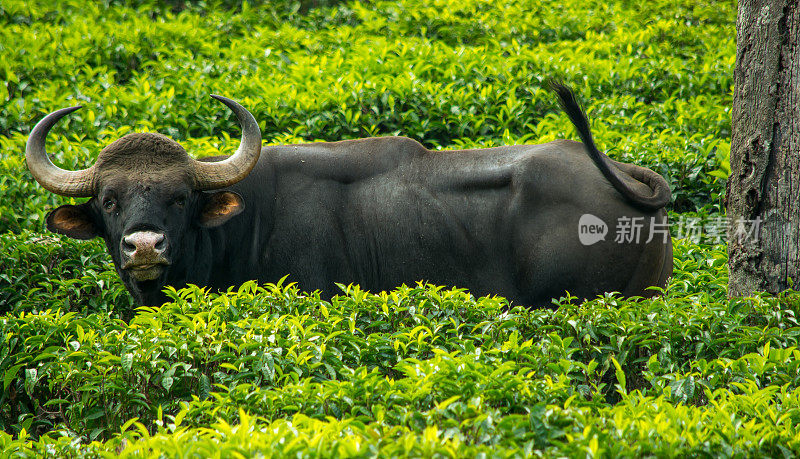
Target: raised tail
(621, 175)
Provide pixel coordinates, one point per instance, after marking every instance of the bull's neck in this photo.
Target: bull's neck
(238, 248)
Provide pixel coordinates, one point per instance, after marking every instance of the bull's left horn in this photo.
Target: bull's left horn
(76, 184)
(219, 174)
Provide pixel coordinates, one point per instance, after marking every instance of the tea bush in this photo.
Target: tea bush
(417, 370)
(421, 370)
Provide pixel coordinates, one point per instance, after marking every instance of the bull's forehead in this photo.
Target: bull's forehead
(143, 158)
(145, 152)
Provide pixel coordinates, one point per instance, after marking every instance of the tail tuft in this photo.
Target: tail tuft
(570, 105)
(616, 173)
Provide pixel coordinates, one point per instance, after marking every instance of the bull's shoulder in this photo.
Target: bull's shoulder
(377, 145)
(389, 146)
(347, 160)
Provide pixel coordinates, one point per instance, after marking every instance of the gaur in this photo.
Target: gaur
(377, 212)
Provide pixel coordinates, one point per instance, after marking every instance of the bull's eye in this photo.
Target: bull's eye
(180, 201)
(109, 204)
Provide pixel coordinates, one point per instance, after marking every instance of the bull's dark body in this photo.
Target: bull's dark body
(380, 212)
(377, 212)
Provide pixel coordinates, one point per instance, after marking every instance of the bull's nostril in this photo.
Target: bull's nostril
(128, 246)
(161, 243)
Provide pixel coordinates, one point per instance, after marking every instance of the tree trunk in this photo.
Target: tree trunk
(763, 201)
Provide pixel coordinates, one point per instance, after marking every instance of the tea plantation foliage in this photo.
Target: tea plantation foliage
(421, 370)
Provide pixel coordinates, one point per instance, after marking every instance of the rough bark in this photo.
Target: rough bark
(764, 184)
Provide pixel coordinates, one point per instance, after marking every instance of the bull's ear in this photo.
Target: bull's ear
(220, 207)
(73, 221)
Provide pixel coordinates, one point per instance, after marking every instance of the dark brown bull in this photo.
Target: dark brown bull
(526, 222)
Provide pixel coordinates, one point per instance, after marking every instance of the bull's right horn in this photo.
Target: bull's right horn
(66, 183)
(219, 174)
